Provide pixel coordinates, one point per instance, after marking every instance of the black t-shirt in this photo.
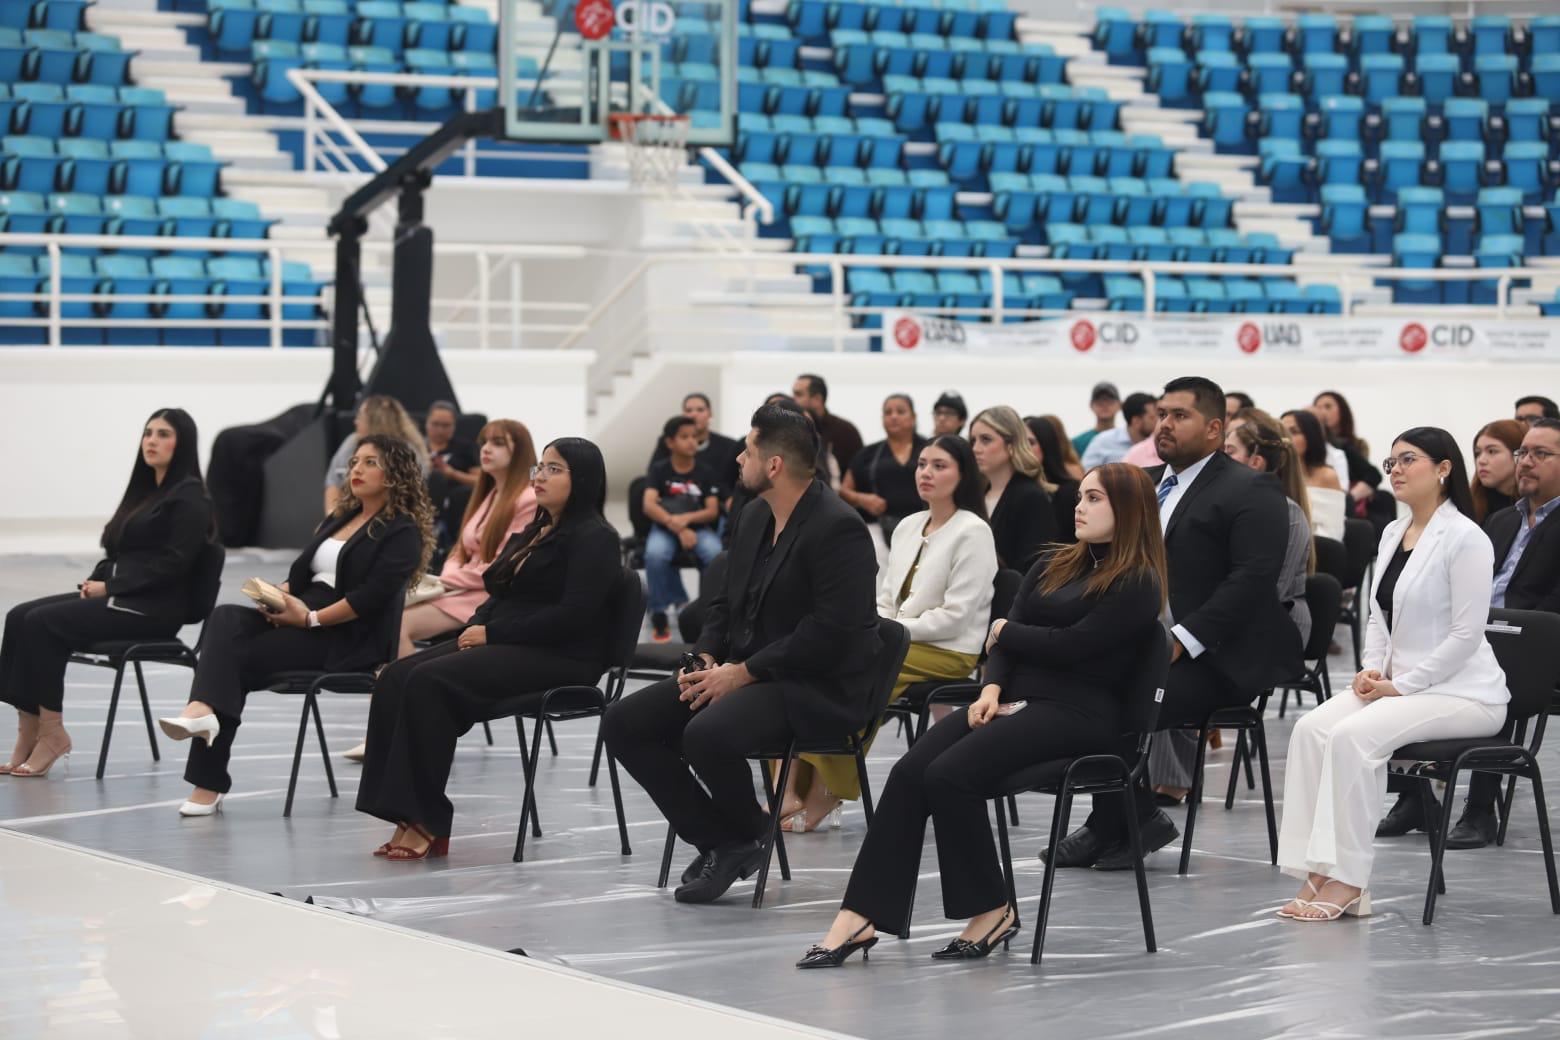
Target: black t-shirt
(877, 472)
(448, 496)
(684, 492)
(719, 453)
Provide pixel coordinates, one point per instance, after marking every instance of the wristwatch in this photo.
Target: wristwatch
(314, 619)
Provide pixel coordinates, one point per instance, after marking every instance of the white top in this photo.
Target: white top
(1183, 480)
(324, 562)
(949, 605)
(1439, 609)
(1339, 461)
(1329, 509)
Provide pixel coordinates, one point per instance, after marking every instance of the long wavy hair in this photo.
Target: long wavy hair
(384, 416)
(1137, 549)
(522, 456)
(970, 493)
(1510, 433)
(407, 494)
(1053, 461)
(142, 489)
(1260, 435)
(587, 503)
(1005, 422)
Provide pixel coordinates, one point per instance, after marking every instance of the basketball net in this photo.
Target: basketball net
(657, 146)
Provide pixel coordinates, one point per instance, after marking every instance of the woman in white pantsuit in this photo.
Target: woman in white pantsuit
(1429, 675)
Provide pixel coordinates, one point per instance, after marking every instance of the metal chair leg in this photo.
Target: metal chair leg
(1438, 848)
(1058, 828)
(775, 797)
(292, 781)
(1193, 797)
(666, 856)
(1241, 752)
(774, 789)
(1006, 851)
(1259, 738)
(866, 785)
(146, 713)
(1505, 809)
(552, 741)
(595, 760)
(487, 731)
(1135, 840)
(528, 804)
(1544, 838)
(319, 729)
(617, 804)
(525, 764)
(1012, 807)
(108, 727)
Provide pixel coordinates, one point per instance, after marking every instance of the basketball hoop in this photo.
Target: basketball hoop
(657, 146)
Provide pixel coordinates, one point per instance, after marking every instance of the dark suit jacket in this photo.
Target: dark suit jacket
(1023, 522)
(1225, 546)
(818, 607)
(371, 575)
(149, 572)
(1535, 585)
(558, 599)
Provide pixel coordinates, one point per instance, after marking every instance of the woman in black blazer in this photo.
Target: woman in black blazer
(139, 590)
(1022, 518)
(343, 612)
(1052, 689)
(543, 625)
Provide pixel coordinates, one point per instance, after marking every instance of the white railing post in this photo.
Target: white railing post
(484, 298)
(469, 103)
(1148, 294)
(1502, 295)
(54, 293)
(837, 289)
(997, 291)
(274, 257)
(309, 130)
(514, 304)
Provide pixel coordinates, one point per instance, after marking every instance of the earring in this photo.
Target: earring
(1443, 481)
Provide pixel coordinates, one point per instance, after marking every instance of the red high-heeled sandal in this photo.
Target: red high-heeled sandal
(437, 847)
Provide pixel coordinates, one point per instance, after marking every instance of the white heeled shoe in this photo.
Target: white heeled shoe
(197, 809)
(204, 726)
(356, 754)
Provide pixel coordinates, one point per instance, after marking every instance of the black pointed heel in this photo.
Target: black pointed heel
(964, 950)
(823, 957)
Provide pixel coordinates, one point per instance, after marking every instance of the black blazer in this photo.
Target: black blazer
(1535, 585)
(818, 611)
(150, 571)
(557, 600)
(371, 575)
(1023, 522)
(1225, 546)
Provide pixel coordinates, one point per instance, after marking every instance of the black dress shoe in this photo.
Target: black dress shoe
(1155, 833)
(721, 869)
(1407, 814)
(691, 871)
(1081, 848)
(1474, 830)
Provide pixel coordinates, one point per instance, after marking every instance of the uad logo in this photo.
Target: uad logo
(907, 333)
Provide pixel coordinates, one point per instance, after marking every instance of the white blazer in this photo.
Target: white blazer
(950, 600)
(1439, 609)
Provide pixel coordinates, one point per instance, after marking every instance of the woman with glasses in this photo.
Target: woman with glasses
(542, 626)
(1429, 675)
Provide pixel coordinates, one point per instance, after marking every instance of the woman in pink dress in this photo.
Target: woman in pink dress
(502, 504)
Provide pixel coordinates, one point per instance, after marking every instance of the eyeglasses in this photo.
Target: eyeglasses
(552, 469)
(1403, 461)
(1539, 455)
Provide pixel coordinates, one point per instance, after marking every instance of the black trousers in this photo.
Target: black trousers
(950, 775)
(240, 650)
(1193, 689)
(423, 703)
(657, 739)
(41, 634)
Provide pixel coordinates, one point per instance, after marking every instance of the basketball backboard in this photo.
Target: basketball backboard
(565, 66)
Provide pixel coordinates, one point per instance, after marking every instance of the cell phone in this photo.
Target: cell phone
(691, 663)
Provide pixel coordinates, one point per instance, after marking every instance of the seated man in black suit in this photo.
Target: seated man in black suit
(1527, 577)
(788, 646)
(1226, 527)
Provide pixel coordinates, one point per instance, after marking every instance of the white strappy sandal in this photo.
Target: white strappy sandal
(1359, 906)
(1283, 911)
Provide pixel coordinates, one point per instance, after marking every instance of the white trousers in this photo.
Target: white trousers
(1335, 780)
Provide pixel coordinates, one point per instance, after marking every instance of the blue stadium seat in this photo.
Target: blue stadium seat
(1527, 119)
(1224, 120)
(1115, 33)
(1432, 34)
(1466, 119)
(1373, 34)
(1416, 251)
(1400, 167)
(1315, 34)
(1462, 170)
(1497, 76)
(1339, 161)
(1323, 299)
(1403, 118)
(1260, 34)
(1420, 211)
(1529, 169)
(1270, 72)
(1280, 115)
(1345, 217)
(1436, 74)
(1382, 76)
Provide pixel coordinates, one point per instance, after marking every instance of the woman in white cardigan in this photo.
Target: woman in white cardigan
(1429, 675)
(937, 583)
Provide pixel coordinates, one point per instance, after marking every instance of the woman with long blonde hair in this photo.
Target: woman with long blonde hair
(1022, 519)
(377, 415)
(341, 609)
(1055, 672)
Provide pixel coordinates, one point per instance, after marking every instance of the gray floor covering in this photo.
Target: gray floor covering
(1225, 968)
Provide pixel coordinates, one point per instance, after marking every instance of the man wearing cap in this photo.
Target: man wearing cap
(1105, 402)
(949, 414)
(1112, 445)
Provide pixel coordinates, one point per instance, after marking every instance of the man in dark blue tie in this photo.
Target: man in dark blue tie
(1226, 527)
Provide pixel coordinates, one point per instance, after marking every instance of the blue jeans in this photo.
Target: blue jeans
(666, 585)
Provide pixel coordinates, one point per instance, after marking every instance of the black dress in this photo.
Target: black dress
(149, 574)
(877, 472)
(545, 623)
(1060, 654)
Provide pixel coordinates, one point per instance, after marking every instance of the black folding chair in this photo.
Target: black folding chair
(1324, 600)
(1247, 718)
(1359, 543)
(1524, 642)
(564, 703)
(893, 644)
(633, 547)
(311, 685)
(1095, 774)
(205, 582)
(487, 729)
